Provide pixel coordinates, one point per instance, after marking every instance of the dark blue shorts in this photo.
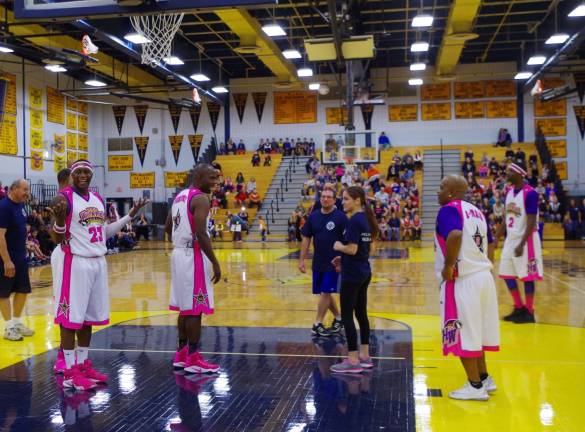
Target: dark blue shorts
(325, 282)
(20, 283)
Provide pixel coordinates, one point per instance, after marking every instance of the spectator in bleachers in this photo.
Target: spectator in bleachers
(469, 155)
(267, 160)
(339, 171)
(554, 209)
(231, 147)
(406, 228)
(251, 185)
(570, 227)
(468, 167)
(418, 160)
(416, 227)
(520, 157)
(262, 228)
(240, 181)
(267, 146)
(256, 160)
(243, 214)
(142, 229)
(394, 227)
(510, 155)
(545, 172)
(254, 199)
(2, 191)
(384, 141)
(484, 169)
(287, 147)
(573, 212)
(241, 149)
(504, 138)
(382, 196)
(311, 146)
(240, 198)
(222, 149)
(347, 179)
(217, 166)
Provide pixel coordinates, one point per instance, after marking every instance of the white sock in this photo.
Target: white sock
(69, 358)
(9, 324)
(338, 317)
(82, 353)
(16, 320)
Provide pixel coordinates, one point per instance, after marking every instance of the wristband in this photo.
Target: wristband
(59, 229)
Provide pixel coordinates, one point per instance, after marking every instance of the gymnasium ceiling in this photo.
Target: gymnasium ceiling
(506, 31)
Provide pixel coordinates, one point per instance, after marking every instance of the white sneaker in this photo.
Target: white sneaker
(23, 330)
(489, 384)
(468, 392)
(12, 334)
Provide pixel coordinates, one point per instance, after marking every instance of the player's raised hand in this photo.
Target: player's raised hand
(59, 211)
(137, 206)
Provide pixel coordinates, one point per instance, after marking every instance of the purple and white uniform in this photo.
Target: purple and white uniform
(191, 270)
(469, 304)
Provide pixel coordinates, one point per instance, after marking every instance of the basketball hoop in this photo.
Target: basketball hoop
(160, 30)
(87, 47)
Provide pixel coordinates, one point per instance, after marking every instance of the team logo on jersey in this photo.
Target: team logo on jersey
(513, 208)
(177, 219)
(532, 267)
(330, 225)
(200, 298)
(91, 216)
(63, 308)
(451, 332)
(478, 239)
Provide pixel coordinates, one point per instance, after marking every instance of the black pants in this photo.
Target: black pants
(354, 298)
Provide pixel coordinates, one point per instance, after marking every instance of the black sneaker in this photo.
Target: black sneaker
(320, 330)
(336, 326)
(525, 317)
(515, 314)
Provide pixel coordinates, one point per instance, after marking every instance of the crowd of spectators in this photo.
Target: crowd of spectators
(286, 147)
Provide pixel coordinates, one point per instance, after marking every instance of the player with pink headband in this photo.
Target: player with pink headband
(81, 280)
(522, 253)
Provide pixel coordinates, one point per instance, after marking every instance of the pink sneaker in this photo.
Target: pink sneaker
(90, 373)
(60, 365)
(181, 357)
(74, 378)
(196, 364)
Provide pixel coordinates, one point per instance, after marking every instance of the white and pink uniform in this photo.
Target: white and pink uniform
(80, 274)
(191, 269)
(528, 266)
(469, 304)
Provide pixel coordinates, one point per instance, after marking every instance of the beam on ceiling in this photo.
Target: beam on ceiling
(461, 18)
(248, 29)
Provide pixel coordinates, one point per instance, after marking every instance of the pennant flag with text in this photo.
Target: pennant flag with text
(195, 144)
(176, 142)
(140, 111)
(213, 108)
(175, 112)
(141, 146)
(240, 100)
(259, 101)
(119, 115)
(579, 78)
(194, 113)
(580, 116)
(367, 111)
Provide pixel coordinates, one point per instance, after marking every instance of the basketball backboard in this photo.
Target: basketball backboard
(350, 147)
(67, 9)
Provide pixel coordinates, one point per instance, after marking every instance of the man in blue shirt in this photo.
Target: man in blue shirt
(383, 141)
(13, 266)
(325, 227)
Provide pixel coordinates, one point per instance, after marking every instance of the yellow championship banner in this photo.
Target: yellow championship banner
(71, 156)
(552, 127)
(59, 145)
(36, 119)
(142, 180)
(10, 98)
(469, 110)
(59, 162)
(469, 90)
(120, 162)
(295, 107)
(557, 148)
(82, 123)
(71, 121)
(406, 112)
(554, 108)
(8, 143)
(500, 88)
(550, 83)
(71, 141)
(71, 104)
(82, 107)
(501, 109)
(36, 160)
(82, 142)
(55, 106)
(436, 92)
(562, 170)
(82, 155)
(335, 115)
(36, 139)
(176, 179)
(35, 97)
(436, 111)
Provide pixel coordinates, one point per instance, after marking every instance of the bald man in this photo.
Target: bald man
(13, 265)
(469, 305)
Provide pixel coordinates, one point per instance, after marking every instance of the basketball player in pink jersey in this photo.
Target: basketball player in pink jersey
(81, 284)
(469, 305)
(194, 267)
(522, 253)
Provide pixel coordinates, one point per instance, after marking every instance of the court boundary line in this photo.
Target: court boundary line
(556, 279)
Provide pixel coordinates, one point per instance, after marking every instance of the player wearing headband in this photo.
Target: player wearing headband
(81, 279)
(522, 254)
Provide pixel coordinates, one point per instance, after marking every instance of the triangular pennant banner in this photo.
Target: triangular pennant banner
(580, 116)
(240, 100)
(175, 112)
(141, 146)
(140, 111)
(213, 108)
(367, 111)
(195, 144)
(119, 114)
(579, 78)
(194, 113)
(259, 101)
(176, 142)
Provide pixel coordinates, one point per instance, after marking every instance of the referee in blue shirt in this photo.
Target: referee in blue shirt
(325, 226)
(13, 265)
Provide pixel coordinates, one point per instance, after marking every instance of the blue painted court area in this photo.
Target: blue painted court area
(272, 379)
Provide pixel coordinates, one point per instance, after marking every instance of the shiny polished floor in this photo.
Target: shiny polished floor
(275, 376)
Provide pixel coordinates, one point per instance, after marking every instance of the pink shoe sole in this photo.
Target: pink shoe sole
(200, 369)
(69, 384)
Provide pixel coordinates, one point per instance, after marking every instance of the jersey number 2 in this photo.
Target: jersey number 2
(96, 234)
(511, 222)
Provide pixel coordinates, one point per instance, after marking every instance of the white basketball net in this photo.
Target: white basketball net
(160, 29)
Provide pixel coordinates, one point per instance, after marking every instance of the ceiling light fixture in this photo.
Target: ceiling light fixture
(219, 89)
(305, 72)
(418, 66)
(579, 11)
(291, 54)
(6, 49)
(137, 38)
(415, 81)
(55, 68)
(522, 75)
(536, 60)
(314, 86)
(95, 83)
(199, 77)
(557, 38)
(173, 61)
(419, 47)
(422, 20)
(273, 30)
